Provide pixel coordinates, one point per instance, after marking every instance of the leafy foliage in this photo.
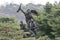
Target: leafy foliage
(49, 21)
(10, 30)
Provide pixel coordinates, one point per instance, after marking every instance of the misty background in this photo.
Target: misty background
(9, 10)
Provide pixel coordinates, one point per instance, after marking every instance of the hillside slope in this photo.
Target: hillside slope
(9, 30)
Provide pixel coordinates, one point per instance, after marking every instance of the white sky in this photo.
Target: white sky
(27, 1)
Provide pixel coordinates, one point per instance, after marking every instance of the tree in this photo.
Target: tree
(49, 24)
(48, 7)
